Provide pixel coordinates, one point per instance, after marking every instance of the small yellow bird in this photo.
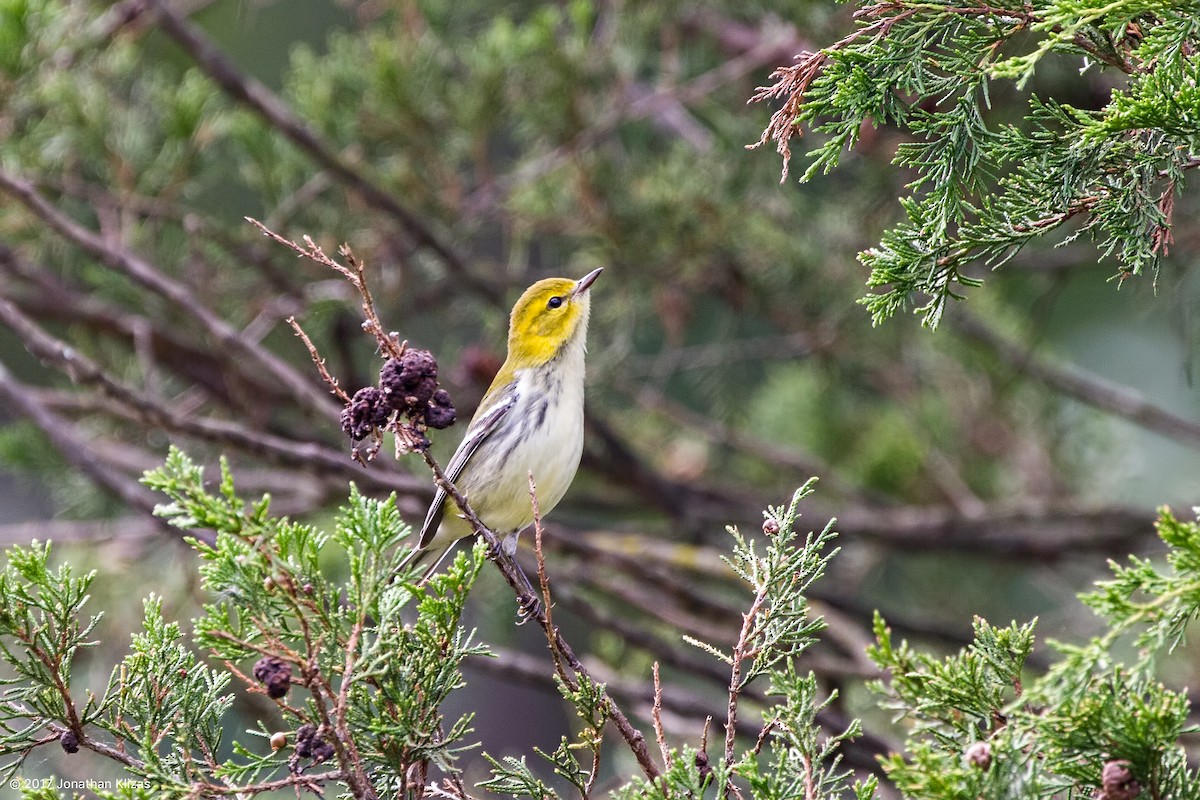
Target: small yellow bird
(529, 421)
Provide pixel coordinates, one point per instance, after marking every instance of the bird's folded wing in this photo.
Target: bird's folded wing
(481, 428)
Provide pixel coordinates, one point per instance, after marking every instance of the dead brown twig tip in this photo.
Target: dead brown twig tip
(656, 717)
(330, 381)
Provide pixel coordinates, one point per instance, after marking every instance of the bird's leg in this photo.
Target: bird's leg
(528, 604)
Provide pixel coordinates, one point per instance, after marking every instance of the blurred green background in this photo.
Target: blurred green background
(728, 359)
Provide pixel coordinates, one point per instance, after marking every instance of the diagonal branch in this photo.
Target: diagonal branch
(73, 445)
(1084, 386)
(634, 738)
(226, 379)
(275, 449)
(149, 276)
(276, 113)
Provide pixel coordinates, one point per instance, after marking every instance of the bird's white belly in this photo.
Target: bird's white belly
(547, 443)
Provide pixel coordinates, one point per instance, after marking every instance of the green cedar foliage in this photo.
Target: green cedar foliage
(986, 180)
(359, 667)
(368, 661)
(348, 659)
(982, 727)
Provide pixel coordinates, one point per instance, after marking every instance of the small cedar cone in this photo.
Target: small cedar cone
(1117, 782)
(321, 750)
(703, 768)
(770, 526)
(278, 740)
(275, 674)
(304, 737)
(440, 413)
(309, 745)
(367, 411)
(979, 754)
(69, 741)
(409, 381)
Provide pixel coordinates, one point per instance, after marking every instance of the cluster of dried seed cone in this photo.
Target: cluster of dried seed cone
(408, 387)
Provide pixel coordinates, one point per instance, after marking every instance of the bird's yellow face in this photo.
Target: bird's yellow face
(548, 316)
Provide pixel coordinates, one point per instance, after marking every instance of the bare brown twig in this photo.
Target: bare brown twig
(319, 362)
(357, 277)
(741, 651)
(656, 715)
(512, 575)
(155, 280)
(544, 583)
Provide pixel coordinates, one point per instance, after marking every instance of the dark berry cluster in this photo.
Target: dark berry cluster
(310, 745)
(411, 387)
(275, 674)
(408, 387)
(367, 411)
(409, 381)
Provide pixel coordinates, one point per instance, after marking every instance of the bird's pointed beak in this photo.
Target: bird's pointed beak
(586, 281)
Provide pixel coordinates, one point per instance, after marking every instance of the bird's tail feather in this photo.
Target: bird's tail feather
(430, 558)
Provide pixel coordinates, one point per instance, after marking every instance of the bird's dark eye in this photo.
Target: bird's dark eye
(555, 302)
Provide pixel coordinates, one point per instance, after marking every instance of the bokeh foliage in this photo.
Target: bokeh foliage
(464, 149)
(988, 181)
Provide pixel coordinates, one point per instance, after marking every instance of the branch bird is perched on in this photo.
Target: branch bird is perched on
(529, 421)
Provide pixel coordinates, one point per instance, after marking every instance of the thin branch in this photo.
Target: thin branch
(275, 112)
(277, 449)
(761, 741)
(544, 581)
(222, 377)
(518, 667)
(511, 665)
(741, 651)
(730, 436)
(656, 715)
(314, 783)
(512, 574)
(97, 746)
(74, 446)
(1084, 386)
(810, 788)
(150, 277)
(358, 279)
(133, 529)
(609, 454)
(1020, 533)
(319, 362)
